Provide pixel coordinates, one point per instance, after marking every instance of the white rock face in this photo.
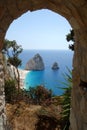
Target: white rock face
(36, 63)
(55, 66)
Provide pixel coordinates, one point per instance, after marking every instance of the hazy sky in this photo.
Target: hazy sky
(42, 29)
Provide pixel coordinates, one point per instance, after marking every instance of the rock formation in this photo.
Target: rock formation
(55, 66)
(36, 63)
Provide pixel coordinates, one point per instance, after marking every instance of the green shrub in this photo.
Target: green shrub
(10, 90)
(39, 94)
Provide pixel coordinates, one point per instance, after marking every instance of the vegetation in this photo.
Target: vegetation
(10, 90)
(70, 37)
(12, 51)
(39, 95)
(66, 101)
(35, 95)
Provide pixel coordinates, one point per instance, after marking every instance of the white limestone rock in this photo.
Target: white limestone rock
(36, 63)
(55, 66)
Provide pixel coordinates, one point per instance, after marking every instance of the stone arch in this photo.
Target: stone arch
(76, 14)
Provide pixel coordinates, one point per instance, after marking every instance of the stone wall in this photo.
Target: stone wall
(79, 91)
(2, 96)
(75, 11)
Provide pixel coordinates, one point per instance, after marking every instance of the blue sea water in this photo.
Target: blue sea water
(51, 79)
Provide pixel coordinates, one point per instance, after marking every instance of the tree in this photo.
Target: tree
(12, 50)
(70, 37)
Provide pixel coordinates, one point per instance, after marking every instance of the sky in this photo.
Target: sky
(41, 29)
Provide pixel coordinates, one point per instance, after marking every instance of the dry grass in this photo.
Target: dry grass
(22, 116)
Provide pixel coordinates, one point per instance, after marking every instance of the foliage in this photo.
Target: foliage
(12, 51)
(66, 100)
(70, 37)
(39, 94)
(14, 61)
(10, 90)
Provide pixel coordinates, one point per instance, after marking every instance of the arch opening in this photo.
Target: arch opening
(40, 32)
(48, 35)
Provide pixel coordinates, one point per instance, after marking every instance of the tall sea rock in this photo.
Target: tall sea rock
(36, 63)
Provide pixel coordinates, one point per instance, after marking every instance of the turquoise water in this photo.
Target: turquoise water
(51, 79)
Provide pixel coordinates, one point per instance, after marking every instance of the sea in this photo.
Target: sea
(51, 79)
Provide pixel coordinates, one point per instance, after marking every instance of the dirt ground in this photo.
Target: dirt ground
(23, 116)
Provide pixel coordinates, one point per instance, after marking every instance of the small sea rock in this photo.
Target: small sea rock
(55, 66)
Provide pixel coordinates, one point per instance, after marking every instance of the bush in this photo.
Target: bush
(39, 94)
(10, 90)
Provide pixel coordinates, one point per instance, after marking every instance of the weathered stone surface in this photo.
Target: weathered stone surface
(2, 96)
(36, 63)
(75, 11)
